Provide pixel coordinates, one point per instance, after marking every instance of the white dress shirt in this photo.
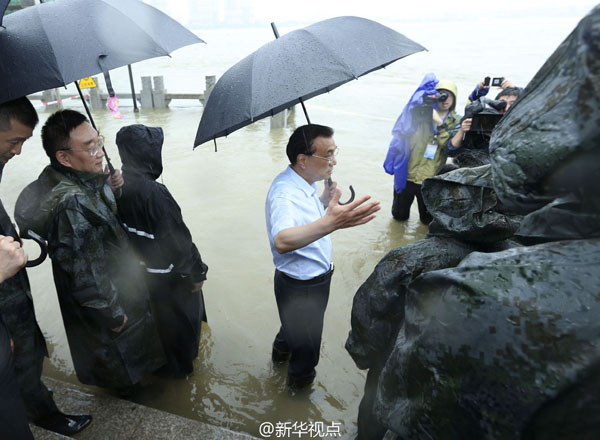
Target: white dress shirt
(292, 201)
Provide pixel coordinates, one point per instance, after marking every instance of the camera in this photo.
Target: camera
(423, 112)
(496, 81)
(430, 100)
(485, 113)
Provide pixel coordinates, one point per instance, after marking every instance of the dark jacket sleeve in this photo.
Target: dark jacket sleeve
(175, 238)
(80, 252)
(476, 94)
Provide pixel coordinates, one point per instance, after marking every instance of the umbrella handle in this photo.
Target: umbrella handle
(109, 87)
(352, 194)
(43, 248)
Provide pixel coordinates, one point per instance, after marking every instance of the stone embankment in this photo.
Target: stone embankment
(116, 419)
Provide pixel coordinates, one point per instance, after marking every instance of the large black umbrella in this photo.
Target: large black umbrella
(53, 44)
(299, 65)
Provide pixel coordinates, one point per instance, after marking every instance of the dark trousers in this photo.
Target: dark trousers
(301, 306)
(38, 399)
(30, 350)
(403, 201)
(13, 419)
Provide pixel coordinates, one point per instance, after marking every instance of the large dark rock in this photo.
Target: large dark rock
(471, 334)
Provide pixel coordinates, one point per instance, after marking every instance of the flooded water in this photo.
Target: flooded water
(222, 197)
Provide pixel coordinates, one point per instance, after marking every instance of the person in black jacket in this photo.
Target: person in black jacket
(175, 270)
(18, 119)
(13, 418)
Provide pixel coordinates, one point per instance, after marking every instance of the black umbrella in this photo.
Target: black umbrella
(299, 65)
(53, 44)
(3, 6)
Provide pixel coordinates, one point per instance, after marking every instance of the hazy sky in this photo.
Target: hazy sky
(434, 9)
(303, 11)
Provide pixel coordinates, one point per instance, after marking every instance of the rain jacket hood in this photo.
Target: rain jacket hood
(545, 151)
(36, 206)
(140, 149)
(445, 84)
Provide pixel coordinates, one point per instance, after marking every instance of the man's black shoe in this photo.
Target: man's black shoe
(279, 357)
(65, 424)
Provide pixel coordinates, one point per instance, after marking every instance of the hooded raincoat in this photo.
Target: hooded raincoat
(405, 158)
(157, 230)
(97, 276)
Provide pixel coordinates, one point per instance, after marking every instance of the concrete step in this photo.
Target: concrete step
(116, 419)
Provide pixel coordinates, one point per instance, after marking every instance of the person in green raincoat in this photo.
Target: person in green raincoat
(427, 151)
(99, 282)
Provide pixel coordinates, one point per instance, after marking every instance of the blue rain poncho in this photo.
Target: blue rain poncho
(396, 161)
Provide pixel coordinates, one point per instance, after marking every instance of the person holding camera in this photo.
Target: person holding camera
(417, 149)
(481, 115)
(483, 87)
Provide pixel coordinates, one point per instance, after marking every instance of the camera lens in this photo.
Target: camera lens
(442, 97)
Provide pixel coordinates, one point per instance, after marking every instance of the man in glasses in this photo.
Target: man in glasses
(298, 225)
(99, 281)
(18, 119)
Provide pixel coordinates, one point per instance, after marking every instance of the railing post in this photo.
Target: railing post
(146, 100)
(96, 102)
(291, 113)
(210, 82)
(158, 94)
(52, 95)
(279, 120)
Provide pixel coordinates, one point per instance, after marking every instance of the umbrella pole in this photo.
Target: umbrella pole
(87, 110)
(330, 182)
(276, 32)
(304, 110)
(135, 109)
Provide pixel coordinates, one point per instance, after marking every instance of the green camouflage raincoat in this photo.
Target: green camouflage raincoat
(505, 344)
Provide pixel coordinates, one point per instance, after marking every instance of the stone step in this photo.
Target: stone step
(116, 419)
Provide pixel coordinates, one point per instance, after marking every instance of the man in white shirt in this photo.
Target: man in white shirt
(298, 225)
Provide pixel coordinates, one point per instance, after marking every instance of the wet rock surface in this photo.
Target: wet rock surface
(488, 329)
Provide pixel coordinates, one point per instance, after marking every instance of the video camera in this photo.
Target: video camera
(430, 100)
(485, 113)
(423, 112)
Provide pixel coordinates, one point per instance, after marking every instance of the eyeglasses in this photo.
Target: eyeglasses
(330, 158)
(92, 151)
